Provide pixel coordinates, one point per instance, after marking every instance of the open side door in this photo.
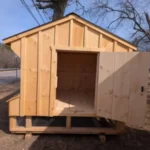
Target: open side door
(122, 86)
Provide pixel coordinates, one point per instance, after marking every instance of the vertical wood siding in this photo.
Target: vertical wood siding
(36, 63)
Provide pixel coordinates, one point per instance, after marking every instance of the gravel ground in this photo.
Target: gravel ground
(132, 139)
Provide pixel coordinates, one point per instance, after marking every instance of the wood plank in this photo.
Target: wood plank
(139, 79)
(78, 34)
(12, 123)
(71, 32)
(121, 48)
(107, 44)
(53, 81)
(62, 130)
(79, 49)
(40, 49)
(121, 88)
(105, 85)
(31, 76)
(85, 36)
(74, 114)
(23, 76)
(115, 46)
(16, 47)
(63, 34)
(93, 38)
(28, 122)
(56, 35)
(14, 107)
(68, 122)
(100, 40)
(97, 82)
(45, 70)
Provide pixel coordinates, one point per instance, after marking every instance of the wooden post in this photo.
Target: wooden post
(120, 126)
(68, 122)
(28, 125)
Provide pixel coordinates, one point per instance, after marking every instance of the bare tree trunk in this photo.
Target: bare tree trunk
(59, 9)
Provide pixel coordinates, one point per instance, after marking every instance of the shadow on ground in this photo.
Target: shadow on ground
(5, 94)
(131, 140)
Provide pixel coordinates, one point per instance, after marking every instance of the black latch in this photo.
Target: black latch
(142, 88)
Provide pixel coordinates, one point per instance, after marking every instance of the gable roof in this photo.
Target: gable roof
(64, 19)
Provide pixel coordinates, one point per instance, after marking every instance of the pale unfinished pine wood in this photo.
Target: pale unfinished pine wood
(16, 46)
(121, 87)
(106, 34)
(28, 122)
(45, 70)
(63, 20)
(14, 106)
(121, 48)
(12, 123)
(85, 36)
(53, 80)
(93, 40)
(108, 44)
(40, 47)
(62, 130)
(71, 32)
(78, 34)
(109, 90)
(137, 102)
(63, 29)
(36, 30)
(31, 75)
(100, 40)
(23, 77)
(105, 85)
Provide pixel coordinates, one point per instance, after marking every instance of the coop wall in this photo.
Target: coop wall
(36, 55)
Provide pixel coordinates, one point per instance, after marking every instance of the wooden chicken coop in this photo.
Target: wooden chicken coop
(72, 68)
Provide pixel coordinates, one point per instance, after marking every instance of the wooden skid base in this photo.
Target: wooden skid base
(118, 129)
(61, 130)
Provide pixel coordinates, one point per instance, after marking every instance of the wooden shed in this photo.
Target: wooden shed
(73, 68)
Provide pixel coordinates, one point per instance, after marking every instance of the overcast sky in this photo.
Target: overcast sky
(14, 18)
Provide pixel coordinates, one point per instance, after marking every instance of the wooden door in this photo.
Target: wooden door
(122, 86)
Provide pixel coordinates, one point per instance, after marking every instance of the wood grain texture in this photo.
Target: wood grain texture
(107, 44)
(93, 38)
(14, 107)
(121, 87)
(16, 47)
(63, 34)
(23, 76)
(139, 79)
(53, 80)
(78, 34)
(31, 75)
(44, 71)
(105, 85)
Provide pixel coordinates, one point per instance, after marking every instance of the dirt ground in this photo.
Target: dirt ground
(132, 139)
